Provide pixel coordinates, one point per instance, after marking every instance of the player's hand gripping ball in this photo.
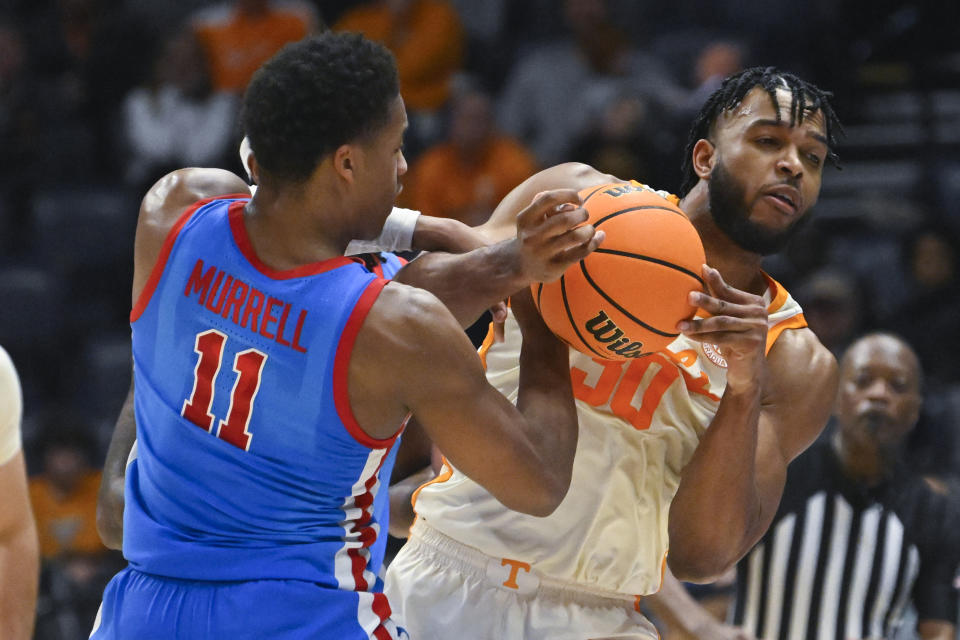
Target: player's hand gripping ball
(626, 298)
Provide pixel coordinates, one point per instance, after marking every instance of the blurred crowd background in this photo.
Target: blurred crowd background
(99, 98)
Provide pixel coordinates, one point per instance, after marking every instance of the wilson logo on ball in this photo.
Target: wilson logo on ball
(606, 332)
(626, 298)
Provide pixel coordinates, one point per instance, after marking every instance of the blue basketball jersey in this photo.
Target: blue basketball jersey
(250, 463)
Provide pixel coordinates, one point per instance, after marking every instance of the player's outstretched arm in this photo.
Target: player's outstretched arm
(411, 355)
(570, 175)
(772, 409)
(549, 236)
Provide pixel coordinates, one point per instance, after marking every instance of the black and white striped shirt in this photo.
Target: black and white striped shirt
(841, 562)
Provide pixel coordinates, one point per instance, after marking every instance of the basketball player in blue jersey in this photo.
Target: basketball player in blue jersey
(273, 375)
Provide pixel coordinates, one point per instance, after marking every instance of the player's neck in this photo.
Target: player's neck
(740, 268)
(286, 231)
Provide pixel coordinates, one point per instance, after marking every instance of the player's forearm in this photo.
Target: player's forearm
(402, 514)
(676, 606)
(110, 496)
(716, 511)
(468, 283)
(19, 567)
(545, 399)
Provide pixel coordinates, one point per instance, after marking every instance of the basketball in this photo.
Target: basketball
(625, 299)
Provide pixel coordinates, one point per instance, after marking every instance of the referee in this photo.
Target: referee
(857, 535)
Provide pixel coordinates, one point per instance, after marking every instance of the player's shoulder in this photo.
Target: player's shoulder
(174, 193)
(407, 308)
(798, 355)
(411, 325)
(180, 189)
(9, 383)
(11, 408)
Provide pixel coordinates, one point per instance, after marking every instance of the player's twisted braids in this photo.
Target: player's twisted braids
(806, 98)
(313, 96)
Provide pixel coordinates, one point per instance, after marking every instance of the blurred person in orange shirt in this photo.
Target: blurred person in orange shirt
(465, 176)
(64, 493)
(427, 38)
(240, 36)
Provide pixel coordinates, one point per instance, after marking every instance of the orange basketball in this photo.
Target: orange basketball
(626, 298)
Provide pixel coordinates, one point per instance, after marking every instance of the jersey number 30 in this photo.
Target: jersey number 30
(248, 365)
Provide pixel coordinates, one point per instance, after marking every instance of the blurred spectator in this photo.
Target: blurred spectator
(241, 35)
(718, 59)
(489, 49)
(630, 142)
(76, 565)
(834, 308)
(64, 493)
(17, 135)
(85, 55)
(178, 119)
(928, 317)
(558, 88)
(468, 174)
(428, 40)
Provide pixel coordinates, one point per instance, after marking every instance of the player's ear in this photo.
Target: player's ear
(704, 156)
(345, 162)
(253, 168)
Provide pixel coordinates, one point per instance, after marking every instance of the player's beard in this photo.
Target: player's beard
(729, 210)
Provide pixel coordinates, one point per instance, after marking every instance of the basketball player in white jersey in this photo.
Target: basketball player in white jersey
(682, 455)
(19, 550)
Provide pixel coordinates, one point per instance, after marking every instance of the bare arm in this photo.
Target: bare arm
(402, 514)
(936, 630)
(679, 609)
(443, 384)
(19, 553)
(163, 204)
(772, 409)
(571, 175)
(546, 239)
(110, 496)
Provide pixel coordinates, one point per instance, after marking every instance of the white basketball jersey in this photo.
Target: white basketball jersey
(11, 408)
(640, 421)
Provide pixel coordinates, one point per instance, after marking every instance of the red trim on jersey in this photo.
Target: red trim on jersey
(382, 610)
(367, 535)
(144, 298)
(242, 239)
(341, 365)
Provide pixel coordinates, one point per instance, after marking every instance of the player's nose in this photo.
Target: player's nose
(789, 162)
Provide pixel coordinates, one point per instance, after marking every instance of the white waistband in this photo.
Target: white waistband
(473, 562)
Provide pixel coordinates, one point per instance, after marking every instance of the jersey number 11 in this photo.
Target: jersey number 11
(248, 365)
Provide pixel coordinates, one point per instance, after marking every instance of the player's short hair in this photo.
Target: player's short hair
(315, 95)
(807, 98)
